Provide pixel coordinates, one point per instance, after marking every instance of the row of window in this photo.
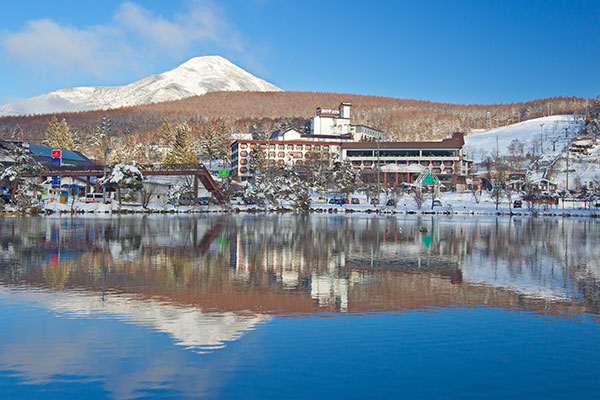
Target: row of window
(315, 147)
(401, 153)
(436, 163)
(244, 170)
(281, 154)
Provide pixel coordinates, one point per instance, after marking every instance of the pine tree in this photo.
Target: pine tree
(166, 132)
(258, 159)
(223, 141)
(182, 151)
(58, 135)
(209, 145)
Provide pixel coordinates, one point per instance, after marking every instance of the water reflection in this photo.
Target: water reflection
(293, 264)
(205, 282)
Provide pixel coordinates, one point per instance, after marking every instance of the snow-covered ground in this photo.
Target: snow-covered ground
(451, 203)
(547, 134)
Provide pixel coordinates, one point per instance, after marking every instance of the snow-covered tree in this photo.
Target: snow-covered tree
(345, 178)
(182, 151)
(58, 135)
(258, 159)
(592, 125)
(209, 146)
(280, 185)
(123, 176)
(11, 176)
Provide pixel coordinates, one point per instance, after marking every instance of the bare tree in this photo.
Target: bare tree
(419, 197)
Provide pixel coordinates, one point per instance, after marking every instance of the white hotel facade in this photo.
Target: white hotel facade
(333, 136)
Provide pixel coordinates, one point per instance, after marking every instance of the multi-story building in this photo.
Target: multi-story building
(280, 152)
(333, 137)
(405, 161)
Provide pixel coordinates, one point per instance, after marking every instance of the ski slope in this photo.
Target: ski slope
(480, 145)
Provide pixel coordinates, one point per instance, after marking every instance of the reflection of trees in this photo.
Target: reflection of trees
(187, 256)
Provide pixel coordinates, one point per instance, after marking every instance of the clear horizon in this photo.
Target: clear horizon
(461, 52)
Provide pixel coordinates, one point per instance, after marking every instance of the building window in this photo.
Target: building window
(436, 163)
(325, 147)
(243, 153)
(448, 170)
(448, 163)
(243, 146)
(299, 162)
(281, 146)
(290, 147)
(298, 147)
(279, 162)
(368, 163)
(317, 148)
(308, 147)
(356, 162)
(425, 163)
(437, 170)
(243, 162)
(252, 145)
(281, 154)
(243, 170)
(271, 154)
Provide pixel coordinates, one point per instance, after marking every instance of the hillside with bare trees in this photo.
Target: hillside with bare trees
(262, 112)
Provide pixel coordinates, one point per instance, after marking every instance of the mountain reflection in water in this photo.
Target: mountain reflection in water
(79, 296)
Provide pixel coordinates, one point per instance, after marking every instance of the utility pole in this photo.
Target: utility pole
(568, 149)
(378, 169)
(542, 136)
(105, 133)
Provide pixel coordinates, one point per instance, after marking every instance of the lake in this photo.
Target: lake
(286, 306)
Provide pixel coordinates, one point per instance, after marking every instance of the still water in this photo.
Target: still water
(285, 306)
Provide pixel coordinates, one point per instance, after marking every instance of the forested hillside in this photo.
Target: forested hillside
(259, 111)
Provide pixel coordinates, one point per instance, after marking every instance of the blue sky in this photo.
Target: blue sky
(449, 51)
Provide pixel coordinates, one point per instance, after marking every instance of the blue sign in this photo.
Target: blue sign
(56, 182)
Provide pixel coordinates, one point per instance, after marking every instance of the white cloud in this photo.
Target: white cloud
(133, 37)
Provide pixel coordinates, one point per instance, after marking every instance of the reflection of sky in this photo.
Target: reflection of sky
(187, 326)
(93, 356)
(93, 341)
(440, 353)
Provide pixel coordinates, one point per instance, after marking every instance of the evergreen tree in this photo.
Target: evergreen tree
(209, 145)
(182, 151)
(223, 141)
(258, 159)
(166, 132)
(58, 135)
(345, 177)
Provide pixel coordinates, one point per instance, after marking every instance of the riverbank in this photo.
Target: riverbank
(447, 204)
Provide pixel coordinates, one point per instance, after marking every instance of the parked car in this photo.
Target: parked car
(517, 204)
(339, 202)
(203, 201)
(97, 198)
(437, 203)
(354, 200)
(237, 200)
(248, 201)
(322, 200)
(391, 203)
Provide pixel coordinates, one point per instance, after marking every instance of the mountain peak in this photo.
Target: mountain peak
(195, 77)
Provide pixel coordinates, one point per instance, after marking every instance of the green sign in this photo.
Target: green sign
(428, 179)
(223, 172)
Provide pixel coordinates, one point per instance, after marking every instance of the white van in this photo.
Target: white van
(96, 198)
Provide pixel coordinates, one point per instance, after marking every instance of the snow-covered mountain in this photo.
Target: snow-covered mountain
(195, 77)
